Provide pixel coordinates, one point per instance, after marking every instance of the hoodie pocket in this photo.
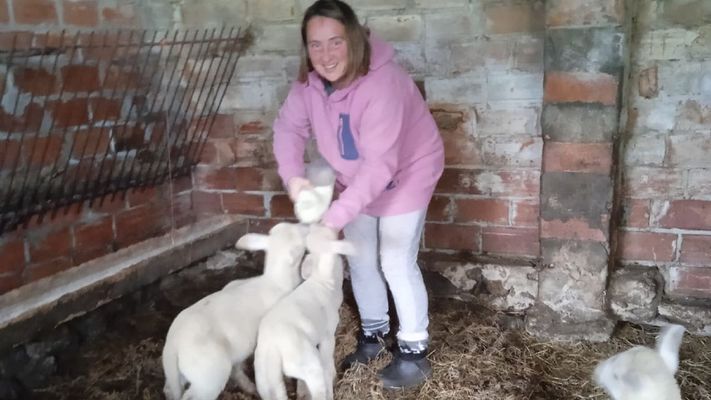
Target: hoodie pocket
(346, 143)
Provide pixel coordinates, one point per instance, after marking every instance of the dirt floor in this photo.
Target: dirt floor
(472, 355)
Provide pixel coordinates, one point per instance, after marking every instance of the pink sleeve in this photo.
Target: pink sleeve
(381, 135)
(291, 130)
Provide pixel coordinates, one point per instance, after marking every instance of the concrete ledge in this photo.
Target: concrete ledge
(48, 302)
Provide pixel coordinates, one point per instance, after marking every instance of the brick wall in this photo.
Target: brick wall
(666, 168)
(57, 241)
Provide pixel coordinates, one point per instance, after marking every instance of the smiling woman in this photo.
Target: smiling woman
(373, 127)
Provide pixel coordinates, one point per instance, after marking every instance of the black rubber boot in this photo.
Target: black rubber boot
(406, 370)
(367, 349)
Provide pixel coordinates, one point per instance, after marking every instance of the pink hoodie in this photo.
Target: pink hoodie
(377, 133)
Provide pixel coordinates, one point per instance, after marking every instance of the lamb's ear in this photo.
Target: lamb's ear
(253, 241)
(343, 247)
(668, 343)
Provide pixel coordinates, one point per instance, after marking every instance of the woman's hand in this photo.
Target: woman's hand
(296, 185)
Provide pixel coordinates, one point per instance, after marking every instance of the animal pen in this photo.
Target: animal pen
(571, 221)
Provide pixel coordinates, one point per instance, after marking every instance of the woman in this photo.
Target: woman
(374, 128)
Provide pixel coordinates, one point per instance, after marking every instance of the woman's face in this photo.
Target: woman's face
(328, 49)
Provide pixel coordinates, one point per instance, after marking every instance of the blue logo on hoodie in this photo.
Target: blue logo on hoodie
(346, 143)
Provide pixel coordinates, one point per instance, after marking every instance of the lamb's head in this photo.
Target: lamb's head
(285, 242)
(641, 372)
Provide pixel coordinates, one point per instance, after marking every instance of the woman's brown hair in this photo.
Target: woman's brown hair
(356, 37)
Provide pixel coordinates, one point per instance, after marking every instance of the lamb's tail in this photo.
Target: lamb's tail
(173, 388)
(268, 373)
(668, 343)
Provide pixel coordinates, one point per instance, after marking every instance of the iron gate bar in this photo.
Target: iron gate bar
(195, 155)
(190, 110)
(144, 142)
(170, 125)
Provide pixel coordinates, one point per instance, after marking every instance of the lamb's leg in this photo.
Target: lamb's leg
(326, 350)
(242, 380)
(308, 369)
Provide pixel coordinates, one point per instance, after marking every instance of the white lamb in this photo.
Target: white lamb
(297, 336)
(641, 373)
(210, 340)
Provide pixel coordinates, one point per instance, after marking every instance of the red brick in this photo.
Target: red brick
(182, 211)
(93, 240)
(688, 214)
(525, 213)
(4, 15)
(39, 82)
(460, 148)
(281, 206)
(636, 213)
(577, 157)
(454, 237)
(140, 223)
(510, 16)
(582, 12)
(216, 179)
(252, 127)
(108, 204)
(241, 203)
(222, 127)
(43, 151)
(482, 210)
(519, 241)
(494, 183)
(252, 150)
(12, 254)
(51, 245)
(9, 282)
(83, 13)
(41, 270)
(696, 249)
(9, 154)
(439, 209)
(573, 229)
(123, 15)
(91, 142)
(207, 203)
(18, 40)
(138, 196)
(34, 11)
(562, 87)
(62, 218)
(105, 109)
(694, 281)
(29, 121)
(80, 78)
(646, 246)
(70, 113)
(120, 78)
(262, 225)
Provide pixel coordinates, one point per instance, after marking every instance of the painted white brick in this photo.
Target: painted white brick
(508, 121)
(460, 90)
(279, 37)
(450, 28)
(700, 184)
(397, 28)
(513, 151)
(217, 13)
(260, 94)
(690, 151)
(273, 10)
(665, 44)
(410, 56)
(645, 150)
(515, 86)
(455, 59)
(656, 114)
(683, 77)
(252, 66)
(439, 4)
(378, 4)
(654, 182)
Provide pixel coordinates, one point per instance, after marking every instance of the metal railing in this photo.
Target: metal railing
(90, 114)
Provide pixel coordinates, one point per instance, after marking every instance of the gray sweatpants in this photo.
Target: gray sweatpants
(397, 238)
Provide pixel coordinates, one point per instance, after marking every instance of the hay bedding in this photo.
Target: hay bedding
(473, 358)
